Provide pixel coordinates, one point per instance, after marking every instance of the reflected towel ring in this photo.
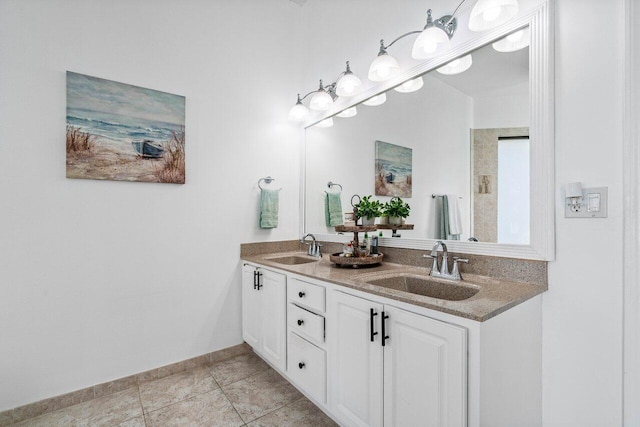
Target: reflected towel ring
(267, 180)
(333, 184)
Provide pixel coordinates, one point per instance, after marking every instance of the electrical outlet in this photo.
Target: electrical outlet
(592, 204)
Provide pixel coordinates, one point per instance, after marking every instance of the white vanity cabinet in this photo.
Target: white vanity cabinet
(264, 313)
(391, 367)
(435, 368)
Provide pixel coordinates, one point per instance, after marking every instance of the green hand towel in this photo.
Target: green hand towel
(444, 218)
(269, 208)
(333, 209)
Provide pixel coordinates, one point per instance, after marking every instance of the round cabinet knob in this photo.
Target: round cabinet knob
(301, 365)
(301, 294)
(300, 322)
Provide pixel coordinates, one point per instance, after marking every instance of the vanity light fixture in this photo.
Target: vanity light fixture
(435, 36)
(384, 66)
(321, 100)
(410, 85)
(376, 100)
(349, 84)
(488, 14)
(298, 113)
(457, 66)
(349, 112)
(514, 41)
(431, 40)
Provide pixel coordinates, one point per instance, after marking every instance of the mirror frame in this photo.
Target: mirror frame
(541, 132)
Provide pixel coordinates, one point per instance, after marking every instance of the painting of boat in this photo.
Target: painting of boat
(147, 148)
(389, 177)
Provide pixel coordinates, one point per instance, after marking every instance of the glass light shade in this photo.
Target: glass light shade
(376, 100)
(456, 66)
(410, 86)
(515, 41)
(326, 123)
(383, 68)
(320, 101)
(298, 113)
(348, 85)
(429, 42)
(349, 112)
(487, 14)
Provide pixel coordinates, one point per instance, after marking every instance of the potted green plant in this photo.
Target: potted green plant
(396, 210)
(369, 209)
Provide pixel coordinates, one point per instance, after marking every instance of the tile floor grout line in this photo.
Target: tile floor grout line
(231, 403)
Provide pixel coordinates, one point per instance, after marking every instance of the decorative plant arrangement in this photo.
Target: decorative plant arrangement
(396, 209)
(369, 209)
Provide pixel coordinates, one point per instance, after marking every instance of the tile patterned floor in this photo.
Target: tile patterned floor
(241, 391)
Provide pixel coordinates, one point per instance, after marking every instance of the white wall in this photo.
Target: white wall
(508, 108)
(582, 311)
(99, 280)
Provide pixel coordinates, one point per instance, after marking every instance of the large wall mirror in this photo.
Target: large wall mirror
(483, 138)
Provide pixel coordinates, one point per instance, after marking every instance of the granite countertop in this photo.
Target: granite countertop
(493, 297)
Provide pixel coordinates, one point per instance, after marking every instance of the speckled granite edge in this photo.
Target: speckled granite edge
(511, 269)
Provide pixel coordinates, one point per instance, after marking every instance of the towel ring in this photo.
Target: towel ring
(353, 197)
(267, 180)
(333, 184)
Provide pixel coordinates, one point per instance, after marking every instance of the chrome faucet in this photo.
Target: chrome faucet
(314, 246)
(443, 272)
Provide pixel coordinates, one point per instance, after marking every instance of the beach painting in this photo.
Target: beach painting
(121, 132)
(394, 165)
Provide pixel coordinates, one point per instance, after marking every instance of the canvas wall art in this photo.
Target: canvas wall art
(394, 165)
(121, 132)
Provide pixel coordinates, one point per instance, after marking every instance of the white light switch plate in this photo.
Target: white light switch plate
(593, 204)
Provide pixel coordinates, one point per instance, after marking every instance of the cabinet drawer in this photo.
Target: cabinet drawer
(306, 323)
(306, 294)
(307, 367)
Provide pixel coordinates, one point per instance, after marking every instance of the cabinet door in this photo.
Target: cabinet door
(425, 371)
(355, 370)
(264, 314)
(251, 313)
(273, 307)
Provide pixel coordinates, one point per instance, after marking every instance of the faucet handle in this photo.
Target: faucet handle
(434, 267)
(456, 271)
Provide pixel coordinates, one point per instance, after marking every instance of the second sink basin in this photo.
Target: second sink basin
(293, 260)
(427, 286)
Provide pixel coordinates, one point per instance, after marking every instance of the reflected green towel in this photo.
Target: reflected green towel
(445, 223)
(444, 218)
(269, 208)
(333, 209)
